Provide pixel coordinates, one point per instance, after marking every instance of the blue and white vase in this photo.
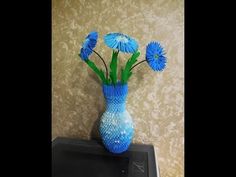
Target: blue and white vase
(116, 126)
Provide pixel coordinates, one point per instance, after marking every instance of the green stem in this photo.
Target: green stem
(137, 64)
(102, 61)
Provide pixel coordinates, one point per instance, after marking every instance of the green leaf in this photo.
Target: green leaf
(126, 73)
(100, 72)
(113, 67)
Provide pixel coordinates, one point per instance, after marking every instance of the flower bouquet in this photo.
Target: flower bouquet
(116, 125)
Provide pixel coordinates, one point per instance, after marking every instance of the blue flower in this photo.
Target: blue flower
(88, 44)
(155, 56)
(121, 42)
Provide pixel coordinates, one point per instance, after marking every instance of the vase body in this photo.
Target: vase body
(116, 125)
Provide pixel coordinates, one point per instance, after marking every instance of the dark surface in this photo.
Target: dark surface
(75, 158)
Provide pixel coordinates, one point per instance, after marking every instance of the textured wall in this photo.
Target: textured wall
(155, 100)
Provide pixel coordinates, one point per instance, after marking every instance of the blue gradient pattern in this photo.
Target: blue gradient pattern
(121, 42)
(116, 127)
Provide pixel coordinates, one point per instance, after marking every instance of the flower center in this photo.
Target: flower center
(122, 39)
(156, 56)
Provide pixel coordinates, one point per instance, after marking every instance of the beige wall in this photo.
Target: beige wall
(155, 100)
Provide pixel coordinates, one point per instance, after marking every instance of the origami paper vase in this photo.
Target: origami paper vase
(116, 125)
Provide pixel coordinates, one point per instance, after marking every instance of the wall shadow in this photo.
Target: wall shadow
(94, 133)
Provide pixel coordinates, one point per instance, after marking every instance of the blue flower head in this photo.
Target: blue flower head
(88, 44)
(155, 56)
(121, 42)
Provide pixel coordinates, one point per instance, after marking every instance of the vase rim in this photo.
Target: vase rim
(112, 85)
(115, 90)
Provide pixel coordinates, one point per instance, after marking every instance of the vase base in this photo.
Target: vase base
(117, 148)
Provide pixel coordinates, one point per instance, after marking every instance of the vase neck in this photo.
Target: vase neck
(116, 104)
(115, 97)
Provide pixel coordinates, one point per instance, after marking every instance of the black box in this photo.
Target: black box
(89, 158)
